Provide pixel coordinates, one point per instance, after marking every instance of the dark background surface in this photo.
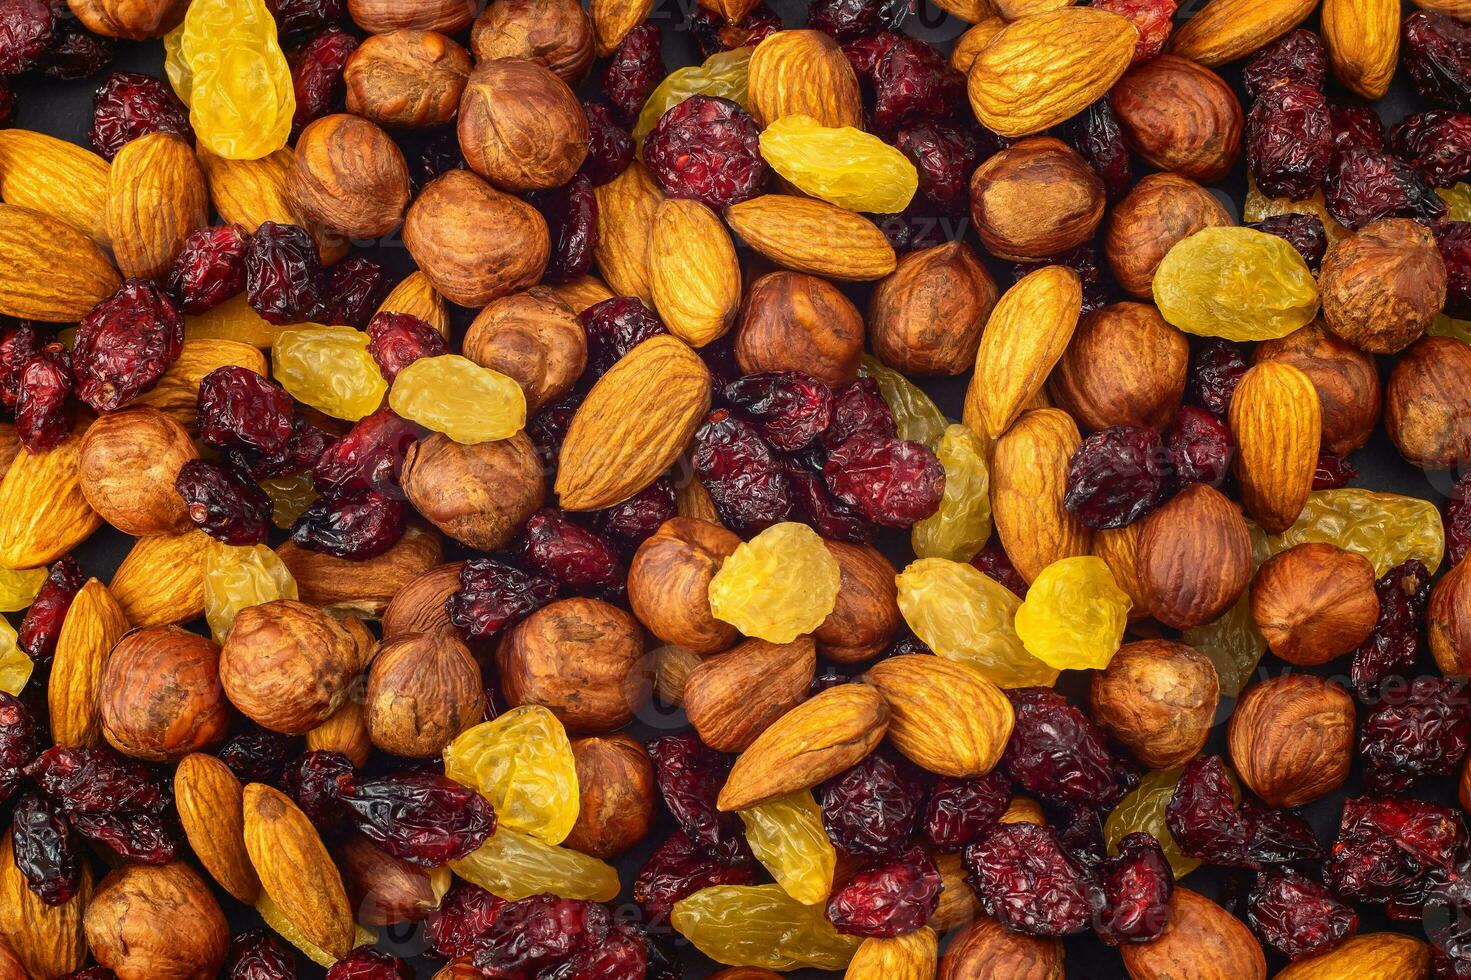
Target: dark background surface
(63, 109)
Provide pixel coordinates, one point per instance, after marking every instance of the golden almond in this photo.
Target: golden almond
(55, 177)
(693, 272)
(1029, 468)
(93, 625)
(43, 512)
(944, 716)
(345, 731)
(803, 73)
(1371, 956)
(626, 208)
(911, 956)
(1362, 37)
(156, 196)
(49, 270)
(416, 296)
(812, 236)
(211, 809)
(1224, 30)
(579, 293)
(49, 940)
(970, 11)
(362, 587)
(161, 579)
(613, 19)
(1277, 424)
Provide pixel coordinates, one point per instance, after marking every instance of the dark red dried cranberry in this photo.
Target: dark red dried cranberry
(614, 327)
(1026, 881)
(859, 408)
(1454, 240)
(622, 956)
(1096, 134)
(1289, 140)
(864, 53)
(1388, 851)
(790, 407)
(1296, 58)
(369, 964)
(434, 157)
(42, 410)
(26, 28)
(46, 855)
(7, 104)
(888, 897)
(1081, 837)
(367, 459)
(209, 269)
(1437, 143)
(742, 474)
(1203, 816)
(129, 105)
(306, 446)
(1216, 367)
(571, 214)
(609, 146)
(713, 34)
(17, 345)
(113, 800)
(256, 955)
(493, 596)
(826, 514)
(890, 481)
(1153, 19)
(1364, 186)
(535, 933)
(1398, 636)
(872, 809)
(317, 76)
(945, 156)
(634, 69)
(548, 427)
(222, 504)
(678, 869)
(421, 818)
(1447, 917)
(1117, 475)
(1333, 472)
(126, 344)
(1057, 754)
(1414, 733)
(19, 742)
(1356, 126)
(1437, 52)
(1084, 261)
(1298, 916)
(257, 755)
(353, 289)
(283, 272)
(306, 16)
(465, 914)
(400, 339)
(317, 781)
(356, 529)
(75, 52)
(240, 409)
(629, 523)
(962, 811)
(690, 775)
(996, 563)
(846, 20)
(913, 82)
(1303, 232)
(1278, 837)
(1137, 885)
(1199, 447)
(708, 149)
(584, 562)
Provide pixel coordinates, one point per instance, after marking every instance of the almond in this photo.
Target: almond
(211, 808)
(43, 513)
(49, 270)
(633, 425)
(345, 731)
(734, 696)
(93, 625)
(1362, 37)
(734, 11)
(970, 11)
(970, 44)
(177, 393)
(55, 177)
(1202, 941)
(363, 587)
(803, 73)
(944, 716)
(693, 272)
(251, 192)
(49, 940)
(911, 956)
(296, 870)
(1042, 70)
(1277, 424)
(156, 196)
(1371, 956)
(161, 580)
(1224, 30)
(985, 948)
(808, 745)
(958, 904)
(626, 208)
(1028, 480)
(813, 236)
(416, 296)
(613, 19)
(1025, 336)
(1193, 558)
(579, 293)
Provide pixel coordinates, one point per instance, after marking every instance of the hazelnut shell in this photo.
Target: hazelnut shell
(1346, 379)
(1427, 403)
(534, 338)
(1180, 116)
(669, 584)
(553, 33)
(350, 177)
(287, 666)
(925, 318)
(791, 321)
(1161, 211)
(478, 495)
(424, 689)
(1292, 738)
(1158, 698)
(1035, 199)
(126, 469)
(1314, 602)
(616, 791)
(1123, 366)
(1383, 285)
(161, 697)
(520, 126)
(1194, 558)
(409, 79)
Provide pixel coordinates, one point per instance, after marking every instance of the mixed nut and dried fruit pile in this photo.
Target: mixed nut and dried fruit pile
(446, 590)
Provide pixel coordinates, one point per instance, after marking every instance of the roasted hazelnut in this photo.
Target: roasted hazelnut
(534, 338)
(583, 659)
(926, 317)
(1204, 937)
(669, 584)
(1314, 602)
(1180, 116)
(554, 33)
(791, 321)
(1194, 558)
(478, 495)
(1427, 403)
(615, 786)
(350, 177)
(1346, 379)
(1160, 212)
(382, 16)
(288, 666)
(1123, 366)
(156, 922)
(160, 696)
(419, 606)
(341, 585)
(1383, 285)
(460, 968)
(127, 466)
(384, 889)
(1449, 622)
(1291, 738)
(1035, 199)
(865, 616)
(411, 79)
(133, 20)
(346, 732)
(521, 127)
(423, 690)
(1158, 698)
(734, 696)
(473, 242)
(986, 948)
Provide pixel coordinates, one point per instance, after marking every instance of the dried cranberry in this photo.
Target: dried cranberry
(367, 459)
(614, 327)
(129, 105)
(421, 818)
(26, 28)
(865, 53)
(1203, 816)
(126, 344)
(19, 742)
(1303, 232)
(89, 973)
(996, 563)
(945, 156)
(826, 514)
(571, 214)
(1277, 837)
(690, 774)
(962, 811)
(1356, 126)
(740, 471)
(584, 562)
(1437, 143)
(1333, 472)
(622, 956)
(859, 408)
(1437, 52)
(609, 146)
(1137, 885)
(256, 955)
(317, 76)
(42, 410)
(222, 504)
(1447, 926)
(1084, 261)
(535, 933)
(1388, 849)
(1199, 447)
(629, 523)
(1289, 140)
(846, 20)
(1454, 240)
(355, 529)
(912, 83)
(283, 271)
(435, 157)
(493, 596)
(1153, 19)
(307, 445)
(1056, 753)
(890, 481)
(317, 781)
(790, 407)
(17, 345)
(45, 853)
(257, 755)
(1117, 475)
(707, 148)
(1216, 368)
(306, 16)
(888, 897)
(1397, 639)
(369, 964)
(1419, 732)
(1364, 186)
(462, 918)
(1298, 916)
(1296, 58)
(75, 52)
(353, 289)
(1096, 134)
(209, 269)
(713, 34)
(240, 409)
(548, 427)
(113, 800)
(633, 71)
(1081, 837)
(400, 339)
(1026, 882)
(872, 809)
(678, 869)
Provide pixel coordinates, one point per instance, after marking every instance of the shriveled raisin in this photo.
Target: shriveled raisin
(890, 481)
(494, 595)
(584, 562)
(1395, 644)
(792, 408)
(1414, 733)
(742, 474)
(421, 818)
(400, 339)
(209, 269)
(571, 214)
(317, 76)
(1437, 52)
(614, 327)
(240, 409)
(42, 415)
(1057, 754)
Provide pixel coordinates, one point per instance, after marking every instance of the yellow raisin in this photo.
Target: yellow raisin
(724, 74)
(290, 496)
(1143, 809)
(514, 866)
(241, 96)
(788, 837)
(962, 525)
(840, 165)
(238, 577)
(917, 418)
(1074, 615)
(522, 763)
(1233, 643)
(763, 926)
(18, 587)
(273, 917)
(456, 396)
(233, 320)
(777, 586)
(1236, 283)
(1386, 528)
(15, 666)
(330, 369)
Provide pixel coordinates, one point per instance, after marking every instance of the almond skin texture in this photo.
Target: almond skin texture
(157, 922)
(350, 177)
(250, 192)
(1314, 602)
(669, 584)
(1383, 285)
(1346, 379)
(156, 196)
(129, 461)
(1202, 941)
(1194, 558)
(532, 337)
(613, 19)
(693, 272)
(1372, 956)
(626, 208)
(944, 716)
(985, 948)
(55, 177)
(1291, 738)
(521, 127)
(1277, 424)
(1159, 699)
(161, 580)
(1160, 212)
(48, 940)
(160, 695)
(1224, 30)
(424, 689)
(910, 956)
(362, 587)
(210, 803)
(803, 73)
(796, 322)
(1427, 404)
(615, 780)
(1362, 37)
(92, 627)
(1180, 116)
(43, 512)
(407, 78)
(1035, 199)
(1123, 366)
(734, 696)
(50, 271)
(1028, 481)
(925, 318)
(812, 236)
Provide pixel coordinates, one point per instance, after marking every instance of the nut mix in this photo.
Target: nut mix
(600, 545)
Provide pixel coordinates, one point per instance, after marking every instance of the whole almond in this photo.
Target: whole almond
(803, 73)
(613, 19)
(633, 425)
(985, 948)
(93, 625)
(49, 270)
(1277, 424)
(362, 587)
(211, 809)
(55, 177)
(808, 745)
(177, 393)
(734, 696)
(43, 513)
(1029, 468)
(1362, 37)
(161, 579)
(156, 195)
(944, 716)
(415, 296)
(48, 939)
(1202, 941)
(1193, 558)
(1224, 30)
(910, 956)
(1371, 956)
(626, 208)
(812, 236)
(693, 272)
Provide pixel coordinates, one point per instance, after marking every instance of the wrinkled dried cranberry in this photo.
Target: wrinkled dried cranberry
(1398, 636)
(355, 529)
(1388, 849)
(222, 504)
(1137, 885)
(89, 973)
(1454, 240)
(864, 53)
(629, 523)
(421, 818)
(113, 800)
(890, 481)
(209, 269)
(306, 16)
(1303, 232)
(1333, 472)
(1278, 837)
(17, 345)
(1415, 733)
(129, 105)
(1117, 475)
(713, 34)
(707, 148)
(1447, 917)
(614, 327)
(1153, 19)
(1203, 816)
(493, 595)
(1081, 837)
(742, 474)
(19, 742)
(859, 408)
(46, 855)
(1298, 916)
(317, 782)
(367, 459)
(571, 214)
(1026, 882)
(26, 28)
(1199, 447)
(317, 76)
(678, 869)
(369, 964)
(434, 157)
(42, 409)
(1096, 134)
(962, 811)
(609, 146)
(913, 82)
(1364, 186)
(257, 755)
(1437, 143)
(945, 156)
(1057, 754)
(75, 52)
(690, 774)
(1084, 261)
(634, 69)
(534, 933)
(400, 339)
(622, 956)
(826, 514)
(7, 104)
(872, 809)
(791, 408)
(283, 272)
(1296, 58)
(1437, 52)
(240, 409)
(126, 344)
(1289, 140)
(353, 289)
(1216, 367)
(996, 563)
(1356, 126)
(552, 543)
(888, 897)
(548, 427)
(846, 20)
(307, 445)
(455, 927)
(256, 955)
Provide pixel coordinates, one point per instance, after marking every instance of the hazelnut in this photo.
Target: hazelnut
(287, 666)
(791, 321)
(350, 177)
(385, 889)
(341, 585)
(926, 317)
(582, 658)
(1158, 698)
(1314, 602)
(1201, 939)
(156, 922)
(1160, 212)
(554, 33)
(1035, 199)
(1292, 738)
(521, 127)
(1123, 366)
(478, 495)
(734, 696)
(1427, 403)
(615, 785)
(160, 695)
(423, 690)
(866, 614)
(1449, 621)
(1194, 558)
(382, 16)
(1346, 379)
(346, 732)
(133, 20)
(669, 584)
(419, 606)
(1180, 116)
(532, 337)
(473, 242)
(407, 78)
(1383, 285)
(128, 462)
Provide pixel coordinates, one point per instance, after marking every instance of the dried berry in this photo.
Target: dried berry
(353, 289)
(493, 596)
(1081, 837)
(400, 339)
(1333, 472)
(463, 917)
(1203, 816)
(609, 147)
(45, 853)
(678, 869)
(1153, 19)
(75, 52)
(317, 782)
(129, 105)
(872, 809)
(1454, 241)
(1289, 140)
(257, 755)
(707, 148)
(1364, 186)
(690, 775)
(209, 269)
(1137, 885)
(945, 156)
(317, 76)
(962, 811)
(1027, 883)
(240, 409)
(1097, 288)
(1398, 637)
(790, 407)
(1057, 754)
(629, 523)
(42, 415)
(993, 560)
(368, 458)
(633, 71)
(1298, 916)
(1296, 58)
(1096, 134)
(826, 514)
(890, 481)
(1418, 732)
(1389, 850)
(26, 28)
(571, 214)
(623, 954)
(1117, 475)
(283, 270)
(369, 964)
(1278, 837)
(19, 742)
(306, 16)
(223, 505)
(614, 327)
(536, 933)
(585, 563)
(713, 34)
(913, 82)
(742, 474)
(113, 800)
(1199, 447)
(255, 955)
(421, 818)
(1303, 232)
(435, 157)
(355, 529)
(1356, 126)
(1437, 143)
(846, 20)
(1437, 52)
(1216, 368)
(889, 897)
(126, 344)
